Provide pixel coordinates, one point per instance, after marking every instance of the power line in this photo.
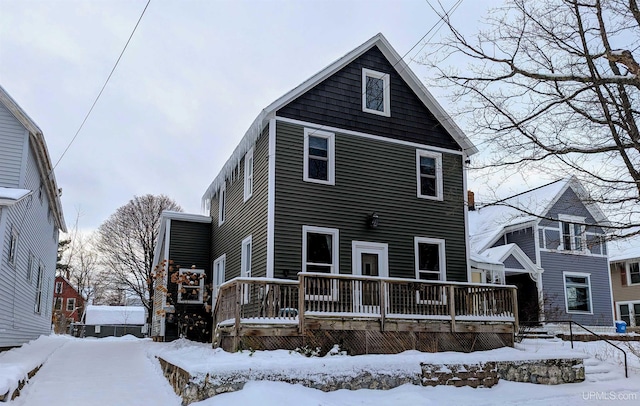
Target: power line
(103, 87)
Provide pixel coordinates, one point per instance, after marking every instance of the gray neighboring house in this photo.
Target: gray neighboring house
(30, 219)
(550, 243)
(358, 170)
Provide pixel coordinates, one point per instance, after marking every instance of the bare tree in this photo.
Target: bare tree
(553, 86)
(126, 243)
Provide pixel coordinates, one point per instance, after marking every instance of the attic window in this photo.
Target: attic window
(375, 92)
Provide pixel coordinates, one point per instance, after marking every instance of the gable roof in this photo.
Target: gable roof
(42, 156)
(502, 252)
(487, 223)
(255, 130)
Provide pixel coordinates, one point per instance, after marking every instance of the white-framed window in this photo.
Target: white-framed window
(319, 156)
(13, 245)
(58, 288)
(430, 265)
(71, 304)
(39, 284)
(573, 233)
(222, 204)
(96, 329)
(190, 285)
(629, 312)
(30, 263)
(633, 273)
(58, 304)
(245, 268)
(320, 253)
(577, 287)
(219, 266)
(429, 174)
(248, 174)
(376, 92)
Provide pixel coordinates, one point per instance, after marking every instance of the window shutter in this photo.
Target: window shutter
(623, 276)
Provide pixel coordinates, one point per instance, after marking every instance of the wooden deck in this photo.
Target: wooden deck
(363, 314)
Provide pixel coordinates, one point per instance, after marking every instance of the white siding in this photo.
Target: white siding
(12, 139)
(18, 321)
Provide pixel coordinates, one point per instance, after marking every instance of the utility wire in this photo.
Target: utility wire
(103, 87)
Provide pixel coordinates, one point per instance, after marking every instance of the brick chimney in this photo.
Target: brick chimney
(471, 201)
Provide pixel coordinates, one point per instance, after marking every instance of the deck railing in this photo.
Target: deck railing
(260, 300)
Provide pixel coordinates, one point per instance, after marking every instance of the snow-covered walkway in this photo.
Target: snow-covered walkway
(99, 372)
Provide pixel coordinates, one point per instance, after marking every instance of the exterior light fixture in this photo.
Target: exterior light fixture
(374, 220)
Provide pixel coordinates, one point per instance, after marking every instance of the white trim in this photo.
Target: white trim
(335, 256)
(222, 259)
(465, 199)
(441, 254)
(66, 308)
(246, 265)
(56, 290)
(200, 287)
(627, 269)
(366, 247)
(330, 137)
(248, 174)
(222, 204)
(566, 299)
(271, 199)
(368, 136)
(386, 92)
(632, 314)
(437, 157)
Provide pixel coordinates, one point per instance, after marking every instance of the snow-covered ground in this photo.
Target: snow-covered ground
(124, 371)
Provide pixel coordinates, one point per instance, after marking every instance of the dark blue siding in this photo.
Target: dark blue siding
(337, 102)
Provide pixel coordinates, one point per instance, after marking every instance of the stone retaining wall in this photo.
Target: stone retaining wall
(480, 375)
(10, 395)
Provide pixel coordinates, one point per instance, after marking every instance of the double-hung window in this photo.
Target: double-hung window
(430, 265)
(319, 156)
(39, 283)
(58, 287)
(634, 273)
(573, 233)
(629, 312)
(320, 254)
(219, 273)
(58, 304)
(190, 285)
(376, 92)
(71, 304)
(429, 174)
(248, 174)
(577, 288)
(222, 204)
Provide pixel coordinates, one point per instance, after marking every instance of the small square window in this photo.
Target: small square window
(376, 92)
(429, 175)
(190, 285)
(248, 174)
(319, 162)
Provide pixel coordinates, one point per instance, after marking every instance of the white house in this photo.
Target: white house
(30, 221)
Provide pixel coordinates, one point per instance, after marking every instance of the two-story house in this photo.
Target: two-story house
(68, 305)
(550, 243)
(624, 262)
(354, 178)
(30, 220)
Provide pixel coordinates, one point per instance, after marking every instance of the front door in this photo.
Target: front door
(368, 259)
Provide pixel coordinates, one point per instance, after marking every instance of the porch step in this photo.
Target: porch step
(598, 371)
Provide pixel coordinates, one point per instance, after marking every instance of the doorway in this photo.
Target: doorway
(368, 259)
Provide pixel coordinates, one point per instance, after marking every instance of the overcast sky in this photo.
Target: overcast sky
(194, 77)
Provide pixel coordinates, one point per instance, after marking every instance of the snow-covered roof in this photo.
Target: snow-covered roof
(9, 196)
(109, 315)
(488, 222)
(255, 130)
(621, 250)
